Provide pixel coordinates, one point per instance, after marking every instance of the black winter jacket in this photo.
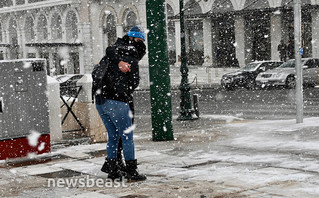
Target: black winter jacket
(124, 83)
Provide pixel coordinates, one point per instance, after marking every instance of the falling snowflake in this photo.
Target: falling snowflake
(33, 138)
(130, 114)
(130, 129)
(41, 146)
(26, 65)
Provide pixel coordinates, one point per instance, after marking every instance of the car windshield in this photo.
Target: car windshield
(250, 67)
(290, 64)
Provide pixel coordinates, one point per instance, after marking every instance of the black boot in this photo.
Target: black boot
(105, 168)
(131, 172)
(114, 171)
(119, 158)
(121, 164)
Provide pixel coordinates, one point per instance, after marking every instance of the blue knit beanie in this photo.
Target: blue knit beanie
(137, 32)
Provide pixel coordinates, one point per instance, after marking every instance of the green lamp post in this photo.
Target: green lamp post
(159, 71)
(186, 111)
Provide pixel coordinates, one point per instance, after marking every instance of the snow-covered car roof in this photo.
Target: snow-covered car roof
(63, 78)
(266, 61)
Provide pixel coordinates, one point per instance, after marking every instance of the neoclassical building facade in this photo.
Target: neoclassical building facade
(72, 34)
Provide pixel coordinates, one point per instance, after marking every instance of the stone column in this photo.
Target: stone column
(52, 66)
(214, 43)
(275, 32)
(2, 39)
(49, 35)
(178, 43)
(5, 39)
(143, 24)
(240, 40)
(21, 42)
(86, 37)
(23, 46)
(7, 36)
(87, 48)
(208, 50)
(64, 30)
(119, 30)
(81, 61)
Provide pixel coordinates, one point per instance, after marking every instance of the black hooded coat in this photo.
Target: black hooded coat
(123, 84)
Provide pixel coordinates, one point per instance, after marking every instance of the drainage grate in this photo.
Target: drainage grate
(61, 174)
(33, 161)
(201, 164)
(99, 153)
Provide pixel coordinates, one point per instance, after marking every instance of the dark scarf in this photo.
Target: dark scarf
(139, 47)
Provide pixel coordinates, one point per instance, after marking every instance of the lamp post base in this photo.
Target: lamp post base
(188, 115)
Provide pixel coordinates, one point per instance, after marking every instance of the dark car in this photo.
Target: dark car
(246, 76)
(68, 84)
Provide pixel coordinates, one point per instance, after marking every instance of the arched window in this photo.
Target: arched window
(192, 7)
(130, 20)
(221, 6)
(171, 35)
(42, 28)
(253, 4)
(56, 27)
(109, 29)
(6, 3)
(287, 25)
(290, 3)
(13, 39)
(224, 29)
(257, 29)
(29, 29)
(20, 2)
(71, 26)
(35, 1)
(194, 34)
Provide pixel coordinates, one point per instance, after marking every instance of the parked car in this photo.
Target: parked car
(68, 84)
(245, 76)
(286, 74)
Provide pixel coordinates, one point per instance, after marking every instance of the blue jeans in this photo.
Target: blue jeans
(115, 116)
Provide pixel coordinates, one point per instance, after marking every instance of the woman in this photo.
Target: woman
(115, 104)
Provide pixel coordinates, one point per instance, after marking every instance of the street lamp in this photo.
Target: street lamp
(186, 111)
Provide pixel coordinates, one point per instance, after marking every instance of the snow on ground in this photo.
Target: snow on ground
(279, 134)
(265, 157)
(277, 125)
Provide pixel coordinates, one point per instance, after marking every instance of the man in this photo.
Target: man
(115, 104)
(282, 50)
(291, 50)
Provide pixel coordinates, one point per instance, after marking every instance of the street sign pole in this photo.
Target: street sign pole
(298, 53)
(159, 70)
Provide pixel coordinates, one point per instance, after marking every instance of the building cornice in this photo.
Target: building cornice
(53, 44)
(42, 4)
(242, 12)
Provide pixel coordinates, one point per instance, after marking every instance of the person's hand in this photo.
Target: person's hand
(124, 66)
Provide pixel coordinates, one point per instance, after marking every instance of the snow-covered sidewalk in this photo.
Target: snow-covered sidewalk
(208, 158)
